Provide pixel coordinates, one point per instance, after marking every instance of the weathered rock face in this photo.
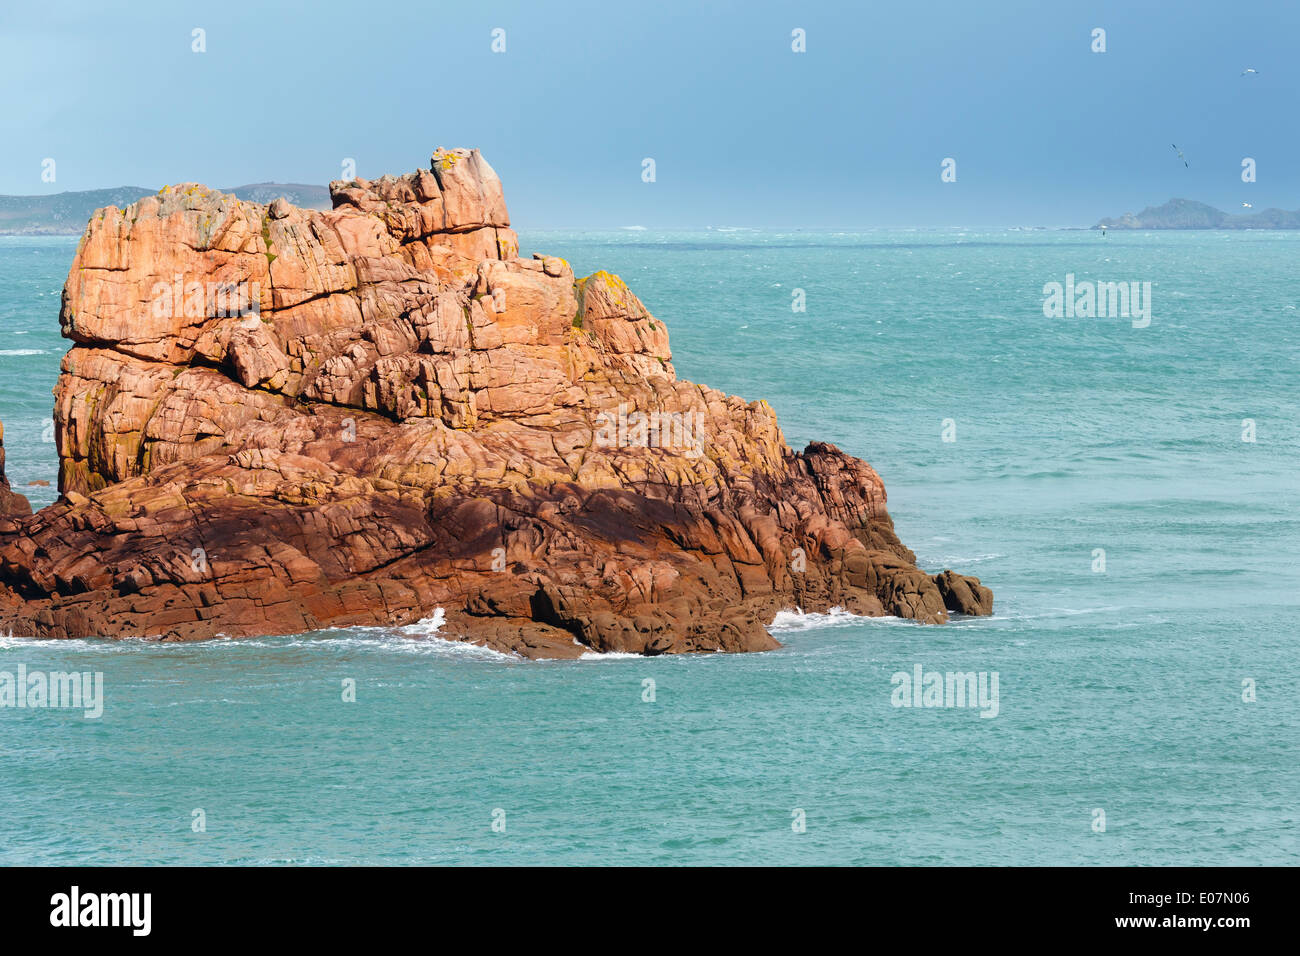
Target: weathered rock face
(275, 420)
(11, 503)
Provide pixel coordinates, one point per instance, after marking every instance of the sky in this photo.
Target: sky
(743, 131)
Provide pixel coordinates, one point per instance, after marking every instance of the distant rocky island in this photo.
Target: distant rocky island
(1188, 214)
(66, 214)
(274, 420)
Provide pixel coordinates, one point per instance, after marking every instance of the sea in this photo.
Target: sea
(1127, 486)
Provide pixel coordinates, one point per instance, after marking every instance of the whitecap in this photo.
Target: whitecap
(426, 627)
(12, 641)
(419, 638)
(1071, 612)
(798, 620)
(955, 561)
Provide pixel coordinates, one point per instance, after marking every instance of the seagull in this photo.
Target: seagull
(1181, 156)
(1247, 205)
(1249, 70)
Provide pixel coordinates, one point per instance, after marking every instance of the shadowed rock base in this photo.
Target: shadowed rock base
(11, 503)
(276, 420)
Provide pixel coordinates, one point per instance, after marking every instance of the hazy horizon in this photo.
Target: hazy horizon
(697, 227)
(744, 132)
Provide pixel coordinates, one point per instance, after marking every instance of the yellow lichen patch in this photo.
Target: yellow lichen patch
(618, 290)
(579, 292)
(266, 240)
(610, 280)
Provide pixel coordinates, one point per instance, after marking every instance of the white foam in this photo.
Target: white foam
(22, 351)
(419, 638)
(12, 641)
(426, 627)
(1072, 611)
(956, 561)
(422, 638)
(442, 647)
(799, 620)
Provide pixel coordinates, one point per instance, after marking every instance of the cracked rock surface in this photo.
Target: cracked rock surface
(11, 502)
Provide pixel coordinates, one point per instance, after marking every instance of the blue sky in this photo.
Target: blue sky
(743, 131)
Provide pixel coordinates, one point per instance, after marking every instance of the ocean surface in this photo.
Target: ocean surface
(1120, 691)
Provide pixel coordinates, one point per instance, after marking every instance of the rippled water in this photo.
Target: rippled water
(1119, 691)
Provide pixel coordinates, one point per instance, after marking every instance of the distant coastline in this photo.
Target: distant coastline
(66, 213)
(1189, 214)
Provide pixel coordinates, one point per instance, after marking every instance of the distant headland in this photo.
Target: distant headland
(66, 214)
(1188, 214)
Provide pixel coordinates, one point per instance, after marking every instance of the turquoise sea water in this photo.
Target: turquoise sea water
(1119, 691)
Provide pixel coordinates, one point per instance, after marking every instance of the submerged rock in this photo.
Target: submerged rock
(275, 420)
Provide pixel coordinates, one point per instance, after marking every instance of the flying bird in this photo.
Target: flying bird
(1181, 156)
(1249, 70)
(1247, 205)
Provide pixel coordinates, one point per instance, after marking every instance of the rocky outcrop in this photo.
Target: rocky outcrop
(11, 503)
(274, 420)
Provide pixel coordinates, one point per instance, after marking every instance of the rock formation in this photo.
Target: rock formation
(275, 420)
(11, 503)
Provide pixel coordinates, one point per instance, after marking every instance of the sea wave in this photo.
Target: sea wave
(1071, 612)
(957, 561)
(421, 637)
(610, 656)
(13, 641)
(797, 620)
(426, 627)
